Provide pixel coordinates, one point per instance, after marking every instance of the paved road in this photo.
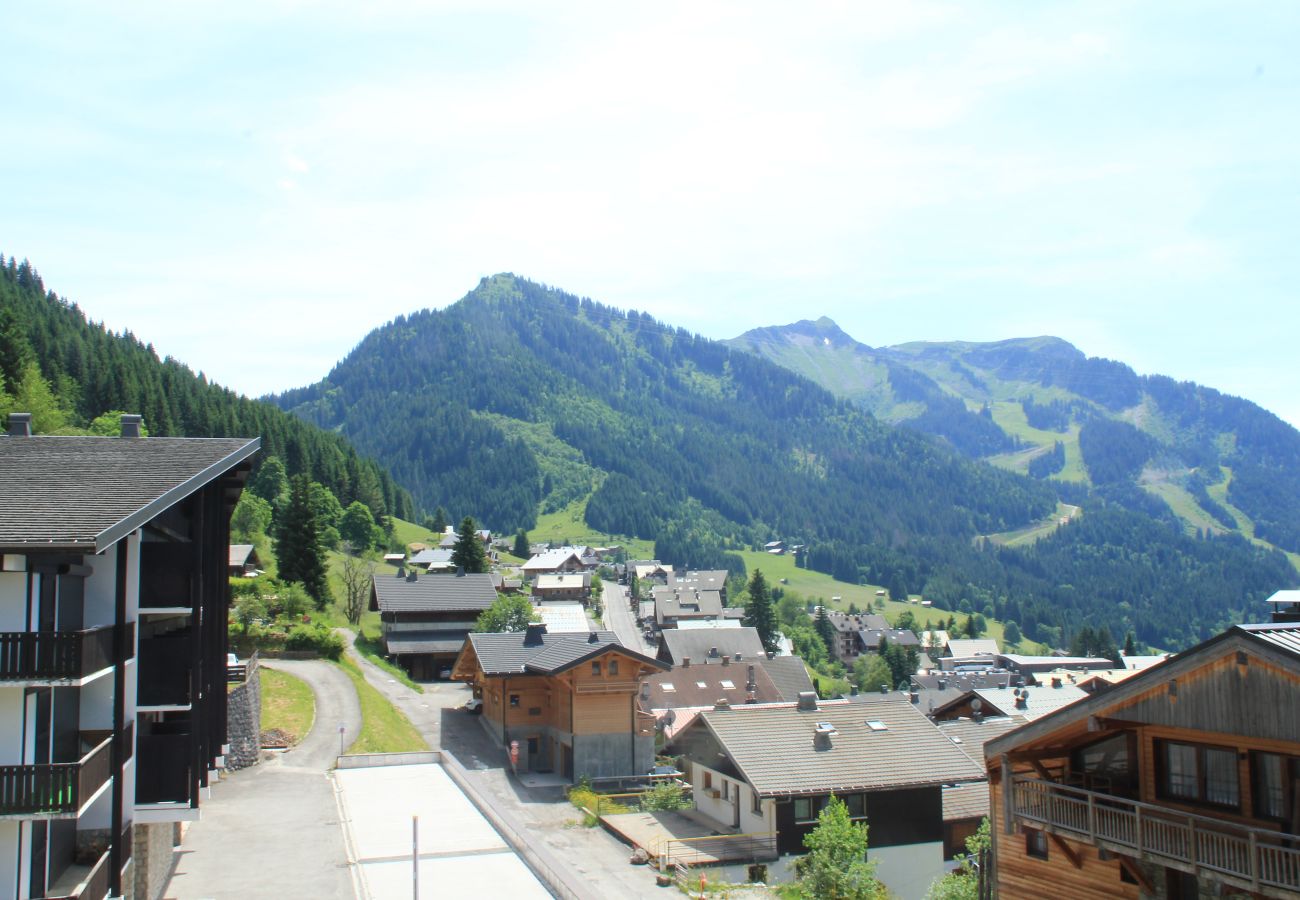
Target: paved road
(272, 830)
(620, 619)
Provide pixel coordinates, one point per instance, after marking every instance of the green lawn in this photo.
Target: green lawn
(383, 727)
(287, 703)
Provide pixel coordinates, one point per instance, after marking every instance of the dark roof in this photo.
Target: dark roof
(789, 675)
(774, 747)
(972, 734)
(1280, 642)
(676, 644)
(433, 593)
(507, 653)
(857, 621)
(87, 493)
(871, 637)
(425, 642)
(955, 684)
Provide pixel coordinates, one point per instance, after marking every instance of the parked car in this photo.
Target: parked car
(474, 706)
(445, 674)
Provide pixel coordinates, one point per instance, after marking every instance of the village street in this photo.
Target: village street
(620, 619)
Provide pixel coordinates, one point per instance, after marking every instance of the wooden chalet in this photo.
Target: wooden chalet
(1182, 781)
(425, 618)
(570, 700)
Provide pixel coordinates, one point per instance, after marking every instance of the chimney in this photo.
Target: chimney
(131, 425)
(593, 638)
(884, 689)
(460, 571)
(726, 660)
(808, 701)
(722, 703)
(401, 571)
(411, 576)
(822, 737)
(914, 696)
(20, 424)
(686, 662)
(1056, 681)
(943, 683)
(533, 636)
(751, 685)
(752, 698)
(738, 656)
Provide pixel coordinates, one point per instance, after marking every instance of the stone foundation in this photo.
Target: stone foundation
(151, 858)
(244, 720)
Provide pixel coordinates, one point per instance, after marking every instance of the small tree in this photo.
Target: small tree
(251, 518)
(356, 574)
(521, 548)
(870, 672)
(357, 527)
(507, 614)
(964, 883)
(439, 524)
(1011, 635)
(468, 553)
(758, 611)
(836, 865)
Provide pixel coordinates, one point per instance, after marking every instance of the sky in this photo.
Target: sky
(252, 187)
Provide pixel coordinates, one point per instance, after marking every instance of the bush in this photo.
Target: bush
(666, 795)
(315, 637)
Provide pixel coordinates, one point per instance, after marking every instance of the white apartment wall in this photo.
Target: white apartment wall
(910, 869)
(101, 588)
(721, 809)
(13, 601)
(9, 838)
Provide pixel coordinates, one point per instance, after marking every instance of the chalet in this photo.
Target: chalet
(674, 604)
(561, 559)
(505, 585)
(433, 561)
(704, 580)
(424, 619)
(1032, 666)
(776, 548)
(113, 607)
(871, 639)
(1022, 703)
(1285, 606)
(563, 586)
(244, 562)
(1181, 781)
(768, 770)
(569, 700)
(678, 647)
(936, 689)
(650, 571)
(677, 696)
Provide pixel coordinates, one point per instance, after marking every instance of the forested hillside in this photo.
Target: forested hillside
(1174, 450)
(520, 398)
(67, 371)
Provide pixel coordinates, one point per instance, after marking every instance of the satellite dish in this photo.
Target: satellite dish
(977, 704)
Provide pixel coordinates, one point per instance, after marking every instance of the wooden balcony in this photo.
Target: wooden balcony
(1255, 859)
(82, 882)
(53, 790)
(40, 658)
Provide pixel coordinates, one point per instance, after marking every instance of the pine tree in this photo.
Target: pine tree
(521, 548)
(825, 629)
(468, 554)
(297, 543)
(439, 524)
(759, 613)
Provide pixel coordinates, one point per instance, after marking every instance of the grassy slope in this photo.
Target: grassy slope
(383, 727)
(287, 703)
(1010, 417)
(1040, 529)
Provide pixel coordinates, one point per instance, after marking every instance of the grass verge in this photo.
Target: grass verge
(383, 727)
(369, 645)
(288, 703)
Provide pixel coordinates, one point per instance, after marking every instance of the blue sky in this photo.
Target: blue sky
(253, 187)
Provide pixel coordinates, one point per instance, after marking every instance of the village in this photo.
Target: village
(629, 696)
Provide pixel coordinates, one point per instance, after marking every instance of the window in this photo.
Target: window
(595, 668)
(726, 789)
(708, 780)
(1036, 843)
(856, 804)
(514, 699)
(803, 810)
(701, 685)
(728, 685)
(1195, 773)
(668, 687)
(756, 802)
(1271, 779)
(877, 725)
(612, 668)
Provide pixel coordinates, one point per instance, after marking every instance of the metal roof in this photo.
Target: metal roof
(775, 750)
(87, 493)
(433, 593)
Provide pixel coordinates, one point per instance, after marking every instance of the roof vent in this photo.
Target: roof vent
(1056, 681)
(686, 662)
(914, 695)
(20, 424)
(722, 703)
(884, 689)
(751, 685)
(822, 736)
(132, 425)
(411, 576)
(943, 683)
(738, 656)
(593, 638)
(713, 651)
(533, 636)
(726, 660)
(808, 700)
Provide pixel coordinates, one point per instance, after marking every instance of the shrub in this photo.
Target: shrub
(315, 637)
(666, 795)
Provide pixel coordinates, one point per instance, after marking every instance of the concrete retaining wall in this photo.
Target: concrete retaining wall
(367, 760)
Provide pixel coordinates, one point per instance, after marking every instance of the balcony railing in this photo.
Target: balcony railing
(163, 768)
(1260, 860)
(94, 886)
(54, 790)
(55, 655)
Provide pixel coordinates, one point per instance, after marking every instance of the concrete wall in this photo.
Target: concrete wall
(151, 857)
(909, 869)
(244, 720)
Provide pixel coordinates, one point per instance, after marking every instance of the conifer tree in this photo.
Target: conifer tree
(297, 543)
(825, 629)
(521, 548)
(759, 613)
(468, 553)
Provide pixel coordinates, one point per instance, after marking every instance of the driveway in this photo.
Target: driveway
(272, 830)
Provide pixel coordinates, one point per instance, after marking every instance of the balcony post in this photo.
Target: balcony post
(1092, 818)
(1137, 827)
(1254, 861)
(1008, 800)
(1191, 844)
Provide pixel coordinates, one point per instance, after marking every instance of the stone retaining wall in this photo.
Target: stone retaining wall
(244, 720)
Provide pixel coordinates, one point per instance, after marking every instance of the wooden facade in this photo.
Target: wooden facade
(1184, 778)
(577, 719)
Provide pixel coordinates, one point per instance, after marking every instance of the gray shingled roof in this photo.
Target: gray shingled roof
(676, 644)
(509, 653)
(789, 675)
(425, 641)
(773, 748)
(434, 593)
(86, 493)
(972, 734)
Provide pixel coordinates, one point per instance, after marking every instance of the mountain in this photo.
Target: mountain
(93, 371)
(1172, 450)
(520, 398)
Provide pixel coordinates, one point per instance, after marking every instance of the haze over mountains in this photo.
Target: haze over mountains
(520, 398)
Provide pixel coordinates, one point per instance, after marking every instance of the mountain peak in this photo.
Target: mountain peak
(823, 330)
